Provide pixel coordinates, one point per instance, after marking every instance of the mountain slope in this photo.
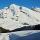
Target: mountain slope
(16, 17)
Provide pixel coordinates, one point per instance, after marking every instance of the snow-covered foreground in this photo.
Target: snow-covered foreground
(21, 35)
(15, 16)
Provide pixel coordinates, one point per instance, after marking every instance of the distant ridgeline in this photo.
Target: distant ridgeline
(34, 27)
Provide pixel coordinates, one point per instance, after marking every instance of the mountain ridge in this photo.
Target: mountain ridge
(15, 16)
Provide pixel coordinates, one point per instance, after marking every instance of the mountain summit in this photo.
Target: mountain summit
(15, 16)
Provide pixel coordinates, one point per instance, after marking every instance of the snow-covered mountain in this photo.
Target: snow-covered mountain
(15, 16)
(36, 9)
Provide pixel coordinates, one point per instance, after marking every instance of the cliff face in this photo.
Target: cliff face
(15, 16)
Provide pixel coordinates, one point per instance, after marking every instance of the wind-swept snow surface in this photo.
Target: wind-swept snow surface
(15, 16)
(21, 35)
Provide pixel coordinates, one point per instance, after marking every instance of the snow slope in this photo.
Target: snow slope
(25, 35)
(15, 16)
(36, 9)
